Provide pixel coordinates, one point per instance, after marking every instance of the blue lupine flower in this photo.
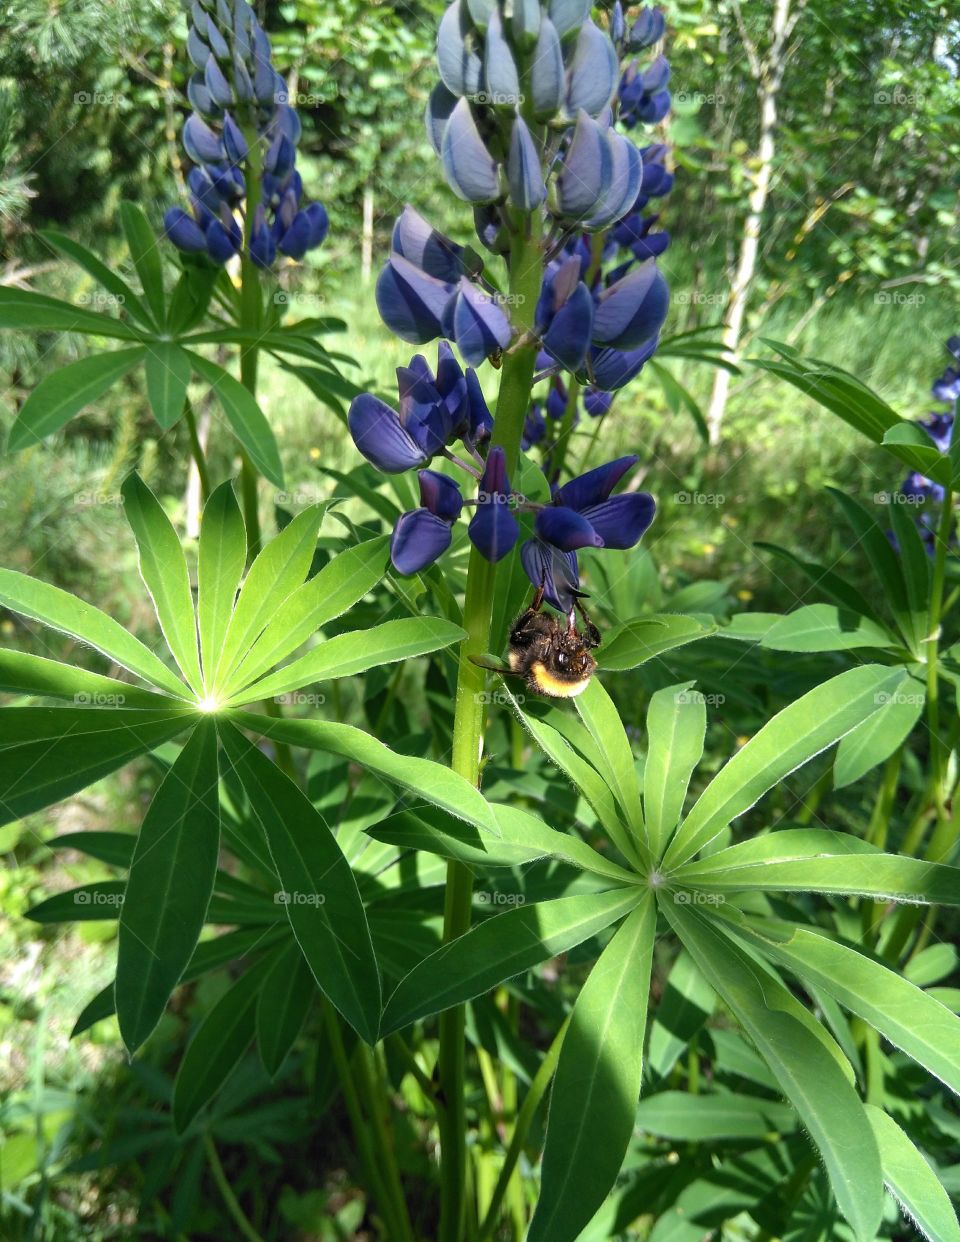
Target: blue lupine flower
(585, 514)
(557, 572)
(424, 534)
(493, 528)
(239, 97)
(434, 412)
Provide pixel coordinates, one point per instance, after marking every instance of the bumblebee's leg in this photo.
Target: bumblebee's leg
(537, 602)
(591, 635)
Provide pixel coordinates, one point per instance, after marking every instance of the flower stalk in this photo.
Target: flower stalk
(526, 269)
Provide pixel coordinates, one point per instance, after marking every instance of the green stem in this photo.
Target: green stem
(528, 1110)
(373, 1093)
(526, 267)
(361, 1131)
(196, 449)
(226, 1191)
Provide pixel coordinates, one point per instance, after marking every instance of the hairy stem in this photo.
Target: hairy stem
(525, 275)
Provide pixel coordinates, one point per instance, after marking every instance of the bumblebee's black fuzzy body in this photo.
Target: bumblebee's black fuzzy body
(552, 654)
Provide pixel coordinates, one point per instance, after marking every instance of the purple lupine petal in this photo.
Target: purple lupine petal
(592, 77)
(596, 485)
(419, 538)
(632, 310)
(621, 520)
(479, 325)
(470, 169)
(440, 494)
(480, 418)
(552, 569)
(380, 437)
(183, 231)
(410, 302)
(568, 337)
(566, 529)
(613, 368)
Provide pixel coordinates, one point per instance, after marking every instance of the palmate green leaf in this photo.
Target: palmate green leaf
(912, 1182)
(818, 861)
(167, 370)
(145, 252)
(356, 652)
(791, 738)
(676, 727)
(825, 627)
(327, 595)
(23, 311)
(903, 1013)
(319, 892)
(65, 612)
(248, 421)
(500, 948)
(219, 1042)
(104, 275)
(22, 673)
(278, 570)
(598, 713)
(597, 1083)
(584, 776)
(48, 753)
(65, 392)
(683, 1117)
(164, 572)
(285, 999)
(523, 838)
(426, 780)
(633, 643)
(220, 563)
(872, 742)
(169, 886)
(825, 1100)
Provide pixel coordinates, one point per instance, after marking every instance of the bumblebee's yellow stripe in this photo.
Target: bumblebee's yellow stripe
(550, 684)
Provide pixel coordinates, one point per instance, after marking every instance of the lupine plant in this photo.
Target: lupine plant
(602, 976)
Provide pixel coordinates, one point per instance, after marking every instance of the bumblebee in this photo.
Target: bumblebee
(552, 653)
